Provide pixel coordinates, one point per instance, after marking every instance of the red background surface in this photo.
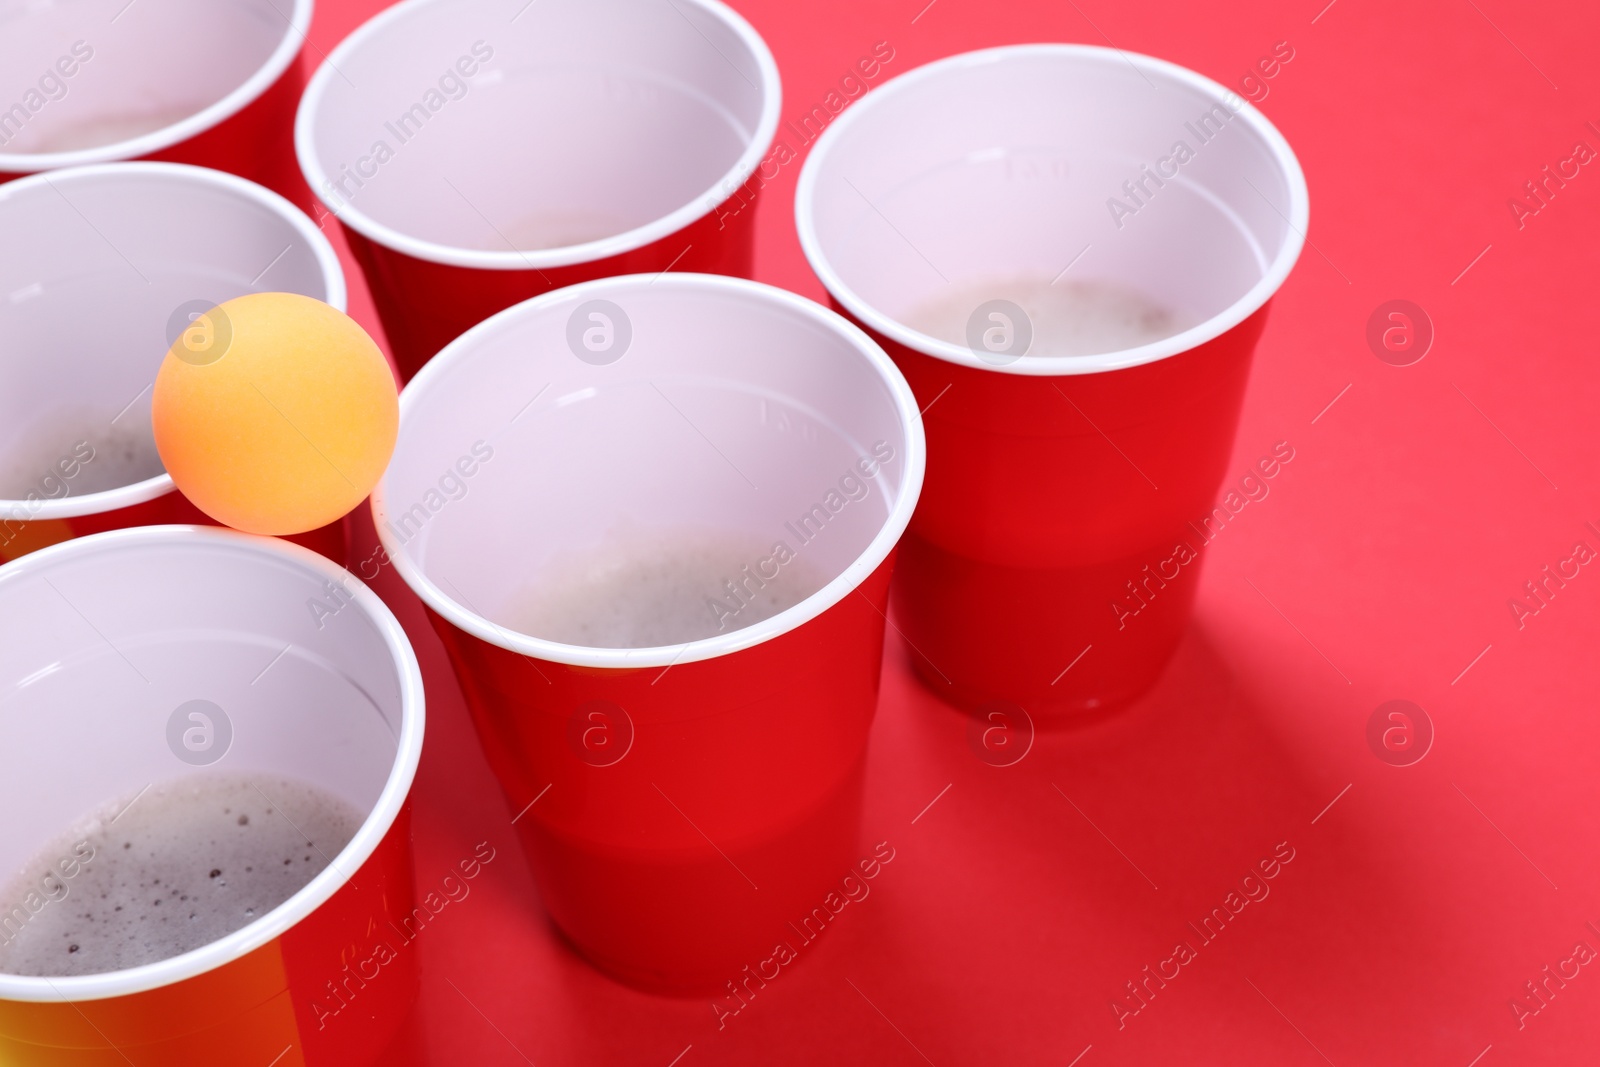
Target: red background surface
(1380, 567)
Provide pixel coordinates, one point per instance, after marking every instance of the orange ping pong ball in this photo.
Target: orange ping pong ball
(275, 413)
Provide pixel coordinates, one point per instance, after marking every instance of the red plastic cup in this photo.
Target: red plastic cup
(481, 152)
(104, 266)
(679, 803)
(108, 643)
(1054, 557)
(185, 81)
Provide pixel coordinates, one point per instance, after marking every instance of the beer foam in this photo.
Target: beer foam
(168, 870)
(638, 591)
(1069, 317)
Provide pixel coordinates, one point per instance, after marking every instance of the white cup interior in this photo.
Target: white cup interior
(124, 627)
(92, 80)
(498, 126)
(976, 176)
(95, 262)
(734, 413)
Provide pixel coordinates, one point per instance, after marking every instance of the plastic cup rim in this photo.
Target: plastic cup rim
(698, 206)
(836, 589)
(374, 827)
(327, 260)
(1042, 366)
(288, 48)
